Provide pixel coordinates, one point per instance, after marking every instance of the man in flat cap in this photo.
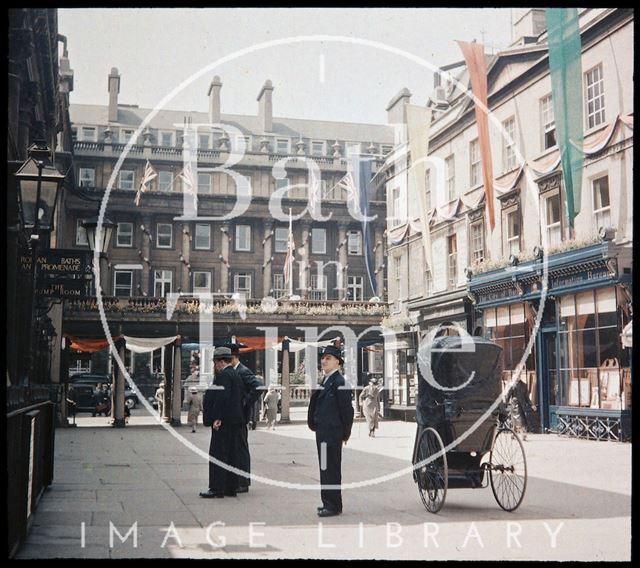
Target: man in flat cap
(222, 412)
(330, 416)
(251, 394)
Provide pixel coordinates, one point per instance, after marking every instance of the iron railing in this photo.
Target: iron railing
(30, 452)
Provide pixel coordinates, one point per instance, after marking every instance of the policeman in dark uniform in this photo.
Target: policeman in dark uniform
(330, 415)
(223, 413)
(251, 394)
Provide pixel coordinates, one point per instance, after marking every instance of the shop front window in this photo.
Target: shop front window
(508, 327)
(594, 369)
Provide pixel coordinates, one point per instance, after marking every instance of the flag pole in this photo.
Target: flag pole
(290, 256)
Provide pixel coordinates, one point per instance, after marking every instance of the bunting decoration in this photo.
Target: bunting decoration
(418, 122)
(565, 65)
(288, 261)
(476, 64)
(356, 182)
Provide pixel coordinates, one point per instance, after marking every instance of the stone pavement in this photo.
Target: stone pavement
(577, 504)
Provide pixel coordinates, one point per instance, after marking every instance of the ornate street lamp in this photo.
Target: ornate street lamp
(91, 226)
(40, 184)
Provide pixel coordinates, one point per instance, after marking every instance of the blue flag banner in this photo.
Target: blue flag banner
(363, 181)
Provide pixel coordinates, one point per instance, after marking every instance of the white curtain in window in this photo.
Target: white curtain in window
(503, 315)
(585, 303)
(567, 306)
(606, 299)
(517, 314)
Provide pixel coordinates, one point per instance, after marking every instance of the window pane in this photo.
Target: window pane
(124, 234)
(318, 241)
(81, 233)
(243, 237)
(165, 181)
(201, 281)
(204, 183)
(165, 234)
(126, 179)
(281, 239)
(203, 236)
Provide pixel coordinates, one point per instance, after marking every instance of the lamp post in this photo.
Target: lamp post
(103, 238)
(99, 242)
(39, 185)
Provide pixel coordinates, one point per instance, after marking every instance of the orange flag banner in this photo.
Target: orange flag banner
(476, 64)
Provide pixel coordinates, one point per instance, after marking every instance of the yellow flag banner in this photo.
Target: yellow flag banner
(418, 123)
(476, 64)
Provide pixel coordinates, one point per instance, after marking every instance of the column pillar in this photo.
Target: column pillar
(185, 282)
(379, 260)
(342, 259)
(168, 379)
(286, 383)
(224, 258)
(176, 398)
(145, 259)
(118, 393)
(267, 244)
(305, 264)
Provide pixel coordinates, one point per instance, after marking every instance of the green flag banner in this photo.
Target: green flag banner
(565, 65)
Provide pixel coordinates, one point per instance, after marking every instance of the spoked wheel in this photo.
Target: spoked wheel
(432, 474)
(508, 469)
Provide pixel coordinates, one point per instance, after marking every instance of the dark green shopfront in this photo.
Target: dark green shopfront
(559, 320)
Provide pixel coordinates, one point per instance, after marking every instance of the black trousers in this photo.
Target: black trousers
(244, 458)
(224, 447)
(331, 474)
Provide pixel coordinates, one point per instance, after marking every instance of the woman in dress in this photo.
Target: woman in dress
(271, 407)
(194, 402)
(370, 403)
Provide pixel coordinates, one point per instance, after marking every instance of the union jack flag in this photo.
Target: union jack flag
(149, 175)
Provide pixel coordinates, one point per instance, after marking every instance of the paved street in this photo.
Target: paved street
(578, 492)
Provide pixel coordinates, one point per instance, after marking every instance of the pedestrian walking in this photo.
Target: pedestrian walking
(271, 406)
(523, 413)
(330, 416)
(370, 403)
(102, 400)
(159, 397)
(251, 393)
(194, 405)
(223, 413)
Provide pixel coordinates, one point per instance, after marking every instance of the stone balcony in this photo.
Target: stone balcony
(187, 309)
(209, 156)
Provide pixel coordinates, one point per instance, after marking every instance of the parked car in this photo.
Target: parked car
(84, 385)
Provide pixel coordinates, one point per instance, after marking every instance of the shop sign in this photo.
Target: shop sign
(60, 262)
(504, 293)
(563, 281)
(61, 288)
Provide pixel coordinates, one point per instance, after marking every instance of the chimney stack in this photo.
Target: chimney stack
(265, 106)
(114, 89)
(396, 112)
(528, 24)
(214, 100)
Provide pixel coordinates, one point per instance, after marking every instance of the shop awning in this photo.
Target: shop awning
(626, 334)
(89, 345)
(147, 344)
